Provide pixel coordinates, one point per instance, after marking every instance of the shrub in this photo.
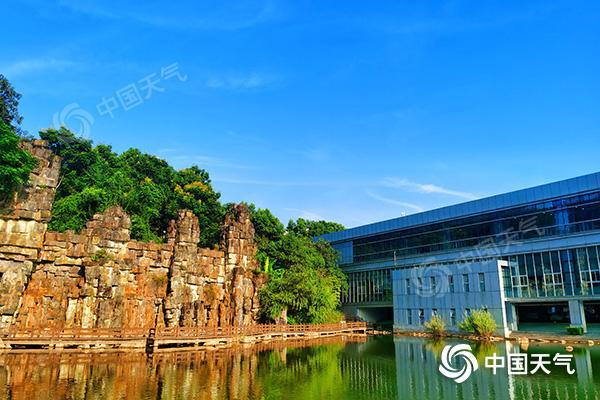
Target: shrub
(575, 330)
(101, 256)
(436, 326)
(480, 322)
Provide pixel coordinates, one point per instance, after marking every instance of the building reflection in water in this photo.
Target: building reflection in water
(418, 377)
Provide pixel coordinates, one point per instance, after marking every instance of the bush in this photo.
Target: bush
(436, 326)
(575, 330)
(480, 323)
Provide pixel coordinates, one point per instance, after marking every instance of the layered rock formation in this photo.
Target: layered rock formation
(100, 278)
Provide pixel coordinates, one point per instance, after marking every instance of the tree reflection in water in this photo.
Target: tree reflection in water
(329, 368)
(381, 368)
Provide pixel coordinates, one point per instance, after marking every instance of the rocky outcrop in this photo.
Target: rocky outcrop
(100, 278)
(23, 224)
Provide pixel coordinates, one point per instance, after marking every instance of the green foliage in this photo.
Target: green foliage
(304, 277)
(73, 211)
(575, 330)
(306, 282)
(479, 322)
(267, 266)
(436, 326)
(313, 229)
(310, 295)
(267, 227)
(15, 163)
(148, 189)
(9, 105)
(101, 256)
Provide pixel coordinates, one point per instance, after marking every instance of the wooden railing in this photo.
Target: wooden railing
(230, 331)
(77, 333)
(176, 332)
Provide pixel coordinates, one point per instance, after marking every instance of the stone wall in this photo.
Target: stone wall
(100, 278)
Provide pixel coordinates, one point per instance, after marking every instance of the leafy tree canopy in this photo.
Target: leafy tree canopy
(9, 104)
(305, 281)
(15, 163)
(313, 228)
(148, 188)
(268, 228)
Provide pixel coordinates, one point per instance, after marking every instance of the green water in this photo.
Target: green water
(377, 368)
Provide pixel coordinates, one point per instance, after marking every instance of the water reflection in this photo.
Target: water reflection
(323, 369)
(379, 368)
(417, 363)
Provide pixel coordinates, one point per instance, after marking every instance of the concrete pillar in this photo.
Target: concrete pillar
(511, 317)
(577, 314)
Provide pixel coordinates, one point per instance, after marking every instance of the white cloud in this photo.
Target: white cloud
(395, 202)
(426, 188)
(306, 214)
(247, 81)
(24, 67)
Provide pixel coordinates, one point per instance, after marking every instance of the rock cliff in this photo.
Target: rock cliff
(100, 278)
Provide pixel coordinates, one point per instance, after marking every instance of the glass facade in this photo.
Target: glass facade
(369, 287)
(570, 272)
(567, 215)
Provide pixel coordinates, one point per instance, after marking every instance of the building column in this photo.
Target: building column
(511, 317)
(577, 314)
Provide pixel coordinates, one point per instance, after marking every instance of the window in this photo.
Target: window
(453, 316)
(433, 284)
(421, 316)
(434, 312)
(408, 286)
(466, 283)
(467, 312)
(409, 320)
(451, 283)
(481, 282)
(564, 215)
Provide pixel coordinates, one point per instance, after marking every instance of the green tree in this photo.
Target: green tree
(267, 227)
(15, 163)
(9, 105)
(147, 187)
(194, 191)
(307, 283)
(313, 229)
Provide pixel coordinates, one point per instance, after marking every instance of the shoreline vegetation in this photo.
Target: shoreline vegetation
(523, 338)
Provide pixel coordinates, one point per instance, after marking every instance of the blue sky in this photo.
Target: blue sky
(348, 111)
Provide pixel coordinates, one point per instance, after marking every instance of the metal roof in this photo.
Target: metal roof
(535, 194)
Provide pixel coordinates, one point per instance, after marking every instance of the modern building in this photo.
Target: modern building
(531, 257)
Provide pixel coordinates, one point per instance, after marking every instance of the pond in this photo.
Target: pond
(375, 368)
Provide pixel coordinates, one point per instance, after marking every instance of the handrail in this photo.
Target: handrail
(174, 332)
